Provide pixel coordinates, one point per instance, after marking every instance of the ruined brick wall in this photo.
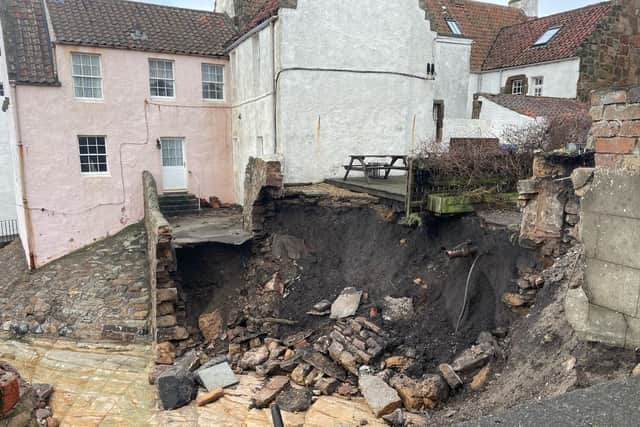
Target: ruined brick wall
(616, 128)
(263, 182)
(611, 56)
(162, 263)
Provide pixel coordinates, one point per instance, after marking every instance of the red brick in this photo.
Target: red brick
(617, 145)
(605, 129)
(9, 393)
(609, 161)
(630, 129)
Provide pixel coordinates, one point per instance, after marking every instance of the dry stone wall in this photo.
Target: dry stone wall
(165, 306)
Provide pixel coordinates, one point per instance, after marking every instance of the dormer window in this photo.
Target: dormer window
(454, 27)
(547, 36)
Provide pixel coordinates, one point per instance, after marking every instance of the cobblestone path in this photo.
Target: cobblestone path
(97, 293)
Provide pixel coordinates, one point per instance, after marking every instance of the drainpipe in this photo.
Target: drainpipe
(275, 88)
(22, 175)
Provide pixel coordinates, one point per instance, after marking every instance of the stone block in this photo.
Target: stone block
(270, 391)
(613, 193)
(596, 112)
(596, 98)
(605, 129)
(613, 286)
(609, 161)
(630, 129)
(166, 321)
(346, 304)
(614, 97)
(169, 294)
(581, 177)
(381, 398)
(632, 339)
(176, 387)
(175, 333)
(619, 240)
(606, 326)
(617, 145)
(633, 96)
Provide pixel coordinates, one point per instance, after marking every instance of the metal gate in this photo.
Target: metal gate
(8, 230)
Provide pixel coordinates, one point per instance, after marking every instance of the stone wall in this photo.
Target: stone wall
(263, 182)
(162, 265)
(616, 128)
(607, 307)
(611, 56)
(549, 206)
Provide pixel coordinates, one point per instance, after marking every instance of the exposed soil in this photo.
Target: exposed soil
(318, 247)
(318, 250)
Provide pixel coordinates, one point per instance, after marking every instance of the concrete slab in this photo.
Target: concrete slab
(613, 286)
(217, 376)
(215, 226)
(606, 326)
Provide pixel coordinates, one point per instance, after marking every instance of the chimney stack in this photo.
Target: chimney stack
(529, 7)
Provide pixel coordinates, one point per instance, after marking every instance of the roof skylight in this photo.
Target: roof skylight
(454, 27)
(547, 36)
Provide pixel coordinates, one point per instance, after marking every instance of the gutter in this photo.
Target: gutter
(21, 173)
(248, 35)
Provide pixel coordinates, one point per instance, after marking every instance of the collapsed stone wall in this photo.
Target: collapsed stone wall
(162, 264)
(263, 184)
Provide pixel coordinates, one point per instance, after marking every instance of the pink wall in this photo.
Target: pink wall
(71, 210)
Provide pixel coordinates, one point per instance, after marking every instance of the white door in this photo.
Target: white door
(174, 168)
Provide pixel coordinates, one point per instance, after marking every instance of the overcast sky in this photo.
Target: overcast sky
(547, 7)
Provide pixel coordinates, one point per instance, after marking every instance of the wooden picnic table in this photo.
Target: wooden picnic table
(367, 167)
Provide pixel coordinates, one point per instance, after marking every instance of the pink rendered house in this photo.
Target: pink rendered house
(106, 90)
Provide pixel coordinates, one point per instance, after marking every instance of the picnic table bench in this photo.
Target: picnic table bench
(365, 167)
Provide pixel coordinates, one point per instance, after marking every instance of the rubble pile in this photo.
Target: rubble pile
(350, 356)
(24, 404)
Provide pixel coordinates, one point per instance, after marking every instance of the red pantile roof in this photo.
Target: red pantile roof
(478, 21)
(514, 44)
(539, 106)
(122, 24)
(27, 45)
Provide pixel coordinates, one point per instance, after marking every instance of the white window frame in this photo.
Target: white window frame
(538, 85)
(454, 26)
(98, 77)
(548, 35)
(221, 83)
(106, 173)
(172, 79)
(520, 90)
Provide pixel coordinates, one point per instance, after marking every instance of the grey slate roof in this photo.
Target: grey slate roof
(122, 24)
(27, 44)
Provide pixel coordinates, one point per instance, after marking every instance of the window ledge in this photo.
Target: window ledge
(95, 175)
(90, 100)
(163, 98)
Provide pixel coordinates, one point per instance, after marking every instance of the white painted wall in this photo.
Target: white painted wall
(453, 66)
(493, 121)
(253, 102)
(8, 208)
(560, 78)
(324, 116)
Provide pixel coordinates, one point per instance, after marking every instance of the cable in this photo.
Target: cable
(466, 291)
